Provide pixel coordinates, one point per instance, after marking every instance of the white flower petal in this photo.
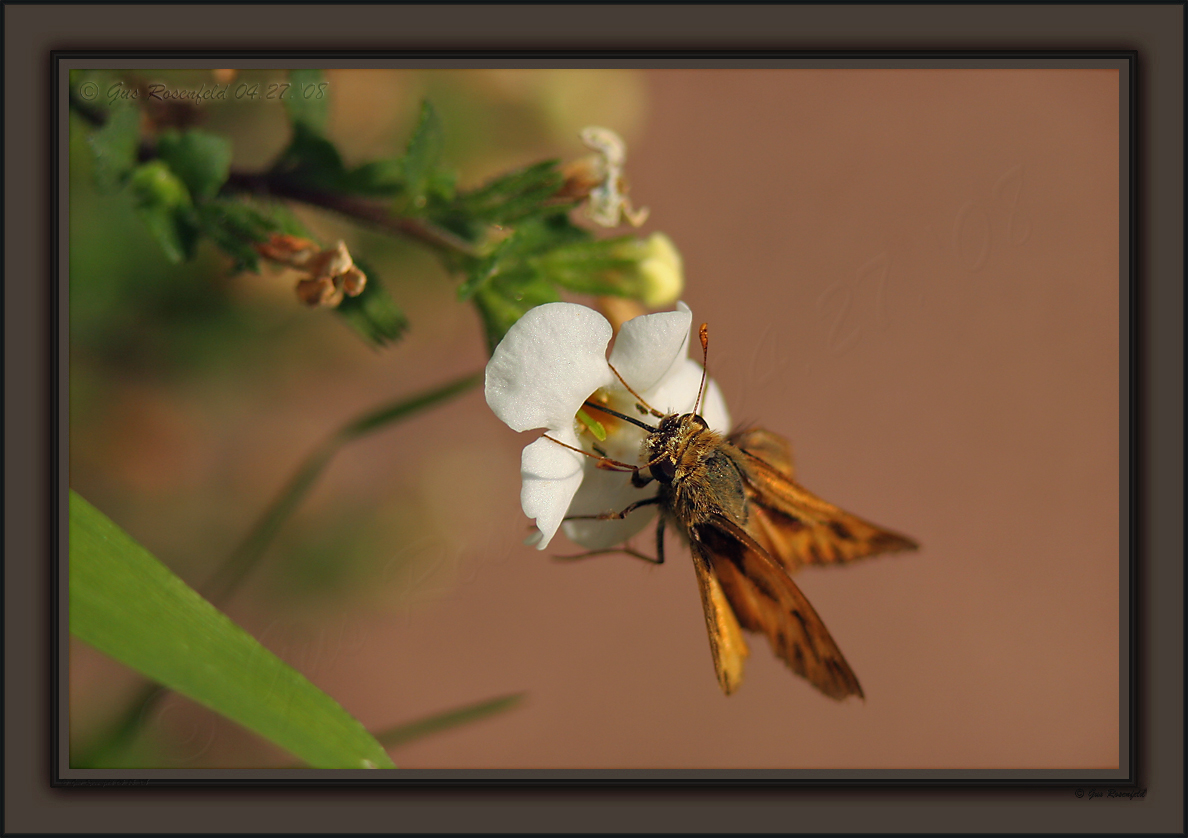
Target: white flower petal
(608, 491)
(677, 393)
(547, 364)
(649, 347)
(551, 475)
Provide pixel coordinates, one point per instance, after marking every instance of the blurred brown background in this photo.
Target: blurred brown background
(911, 274)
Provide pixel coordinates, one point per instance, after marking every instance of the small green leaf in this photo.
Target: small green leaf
(514, 196)
(514, 260)
(312, 160)
(379, 178)
(163, 203)
(286, 221)
(240, 218)
(115, 147)
(588, 267)
(441, 186)
(374, 314)
(307, 101)
(128, 605)
(201, 160)
(243, 256)
(422, 155)
(234, 226)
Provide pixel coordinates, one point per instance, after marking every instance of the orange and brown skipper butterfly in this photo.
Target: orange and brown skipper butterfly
(748, 524)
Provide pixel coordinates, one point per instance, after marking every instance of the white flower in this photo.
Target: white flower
(552, 361)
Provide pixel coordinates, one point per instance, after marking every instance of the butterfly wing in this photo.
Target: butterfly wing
(767, 601)
(727, 645)
(795, 526)
(771, 448)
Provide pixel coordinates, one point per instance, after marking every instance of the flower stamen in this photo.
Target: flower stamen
(592, 425)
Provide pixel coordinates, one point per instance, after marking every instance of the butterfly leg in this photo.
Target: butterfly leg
(639, 480)
(627, 550)
(614, 516)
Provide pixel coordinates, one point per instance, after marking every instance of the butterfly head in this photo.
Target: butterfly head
(668, 447)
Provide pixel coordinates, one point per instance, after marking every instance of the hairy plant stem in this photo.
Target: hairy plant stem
(273, 185)
(375, 213)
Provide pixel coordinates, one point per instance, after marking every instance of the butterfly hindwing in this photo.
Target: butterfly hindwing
(771, 448)
(766, 600)
(795, 526)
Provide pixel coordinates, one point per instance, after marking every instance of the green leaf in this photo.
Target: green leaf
(286, 221)
(511, 280)
(411, 731)
(588, 267)
(307, 101)
(313, 160)
(241, 218)
(514, 260)
(245, 558)
(250, 551)
(128, 605)
(234, 226)
(201, 160)
(516, 195)
(422, 155)
(374, 314)
(115, 147)
(379, 178)
(163, 203)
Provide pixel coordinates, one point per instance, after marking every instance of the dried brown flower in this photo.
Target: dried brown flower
(330, 274)
(598, 179)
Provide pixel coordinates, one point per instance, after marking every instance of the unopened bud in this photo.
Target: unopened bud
(658, 277)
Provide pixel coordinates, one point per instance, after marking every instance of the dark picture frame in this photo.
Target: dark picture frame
(1150, 584)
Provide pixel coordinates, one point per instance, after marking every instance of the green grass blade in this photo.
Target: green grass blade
(227, 578)
(405, 733)
(387, 414)
(128, 605)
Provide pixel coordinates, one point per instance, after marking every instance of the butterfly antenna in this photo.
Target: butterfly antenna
(606, 462)
(603, 462)
(638, 397)
(702, 333)
(622, 416)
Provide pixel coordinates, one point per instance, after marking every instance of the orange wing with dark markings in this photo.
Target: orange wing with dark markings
(771, 448)
(795, 526)
(765, 600)
(727, 646)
